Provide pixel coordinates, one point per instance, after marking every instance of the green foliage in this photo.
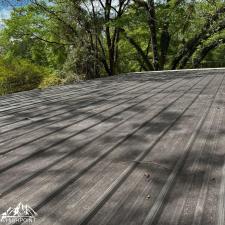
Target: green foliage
(58, 78)
(59, 42)
(24, 37)
(20, 75)
(51, 80)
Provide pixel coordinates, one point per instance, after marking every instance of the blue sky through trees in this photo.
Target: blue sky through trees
(6, 6)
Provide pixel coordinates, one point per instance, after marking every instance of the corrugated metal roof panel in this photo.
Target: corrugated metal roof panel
(142, 149)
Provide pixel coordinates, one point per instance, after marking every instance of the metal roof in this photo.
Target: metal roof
(142, 148)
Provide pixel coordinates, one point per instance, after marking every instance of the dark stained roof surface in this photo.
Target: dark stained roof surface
(136, 149)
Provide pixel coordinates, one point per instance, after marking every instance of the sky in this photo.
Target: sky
(15, 3)
(6, 7)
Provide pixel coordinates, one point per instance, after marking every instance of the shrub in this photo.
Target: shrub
(50, 80)
(59, 78)
(19, 75)
(22, 75)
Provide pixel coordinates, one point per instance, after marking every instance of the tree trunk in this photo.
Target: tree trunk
(190, 47)
(152, 26)
(205, 50)
(145, 58)
(164, 44)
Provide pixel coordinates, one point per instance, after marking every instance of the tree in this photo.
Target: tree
(209, 28)
(25, 34)
(105, 37)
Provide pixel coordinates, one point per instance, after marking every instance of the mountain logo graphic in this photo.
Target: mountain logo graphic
(21, 213)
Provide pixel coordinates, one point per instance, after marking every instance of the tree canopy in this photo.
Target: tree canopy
(91, 38)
